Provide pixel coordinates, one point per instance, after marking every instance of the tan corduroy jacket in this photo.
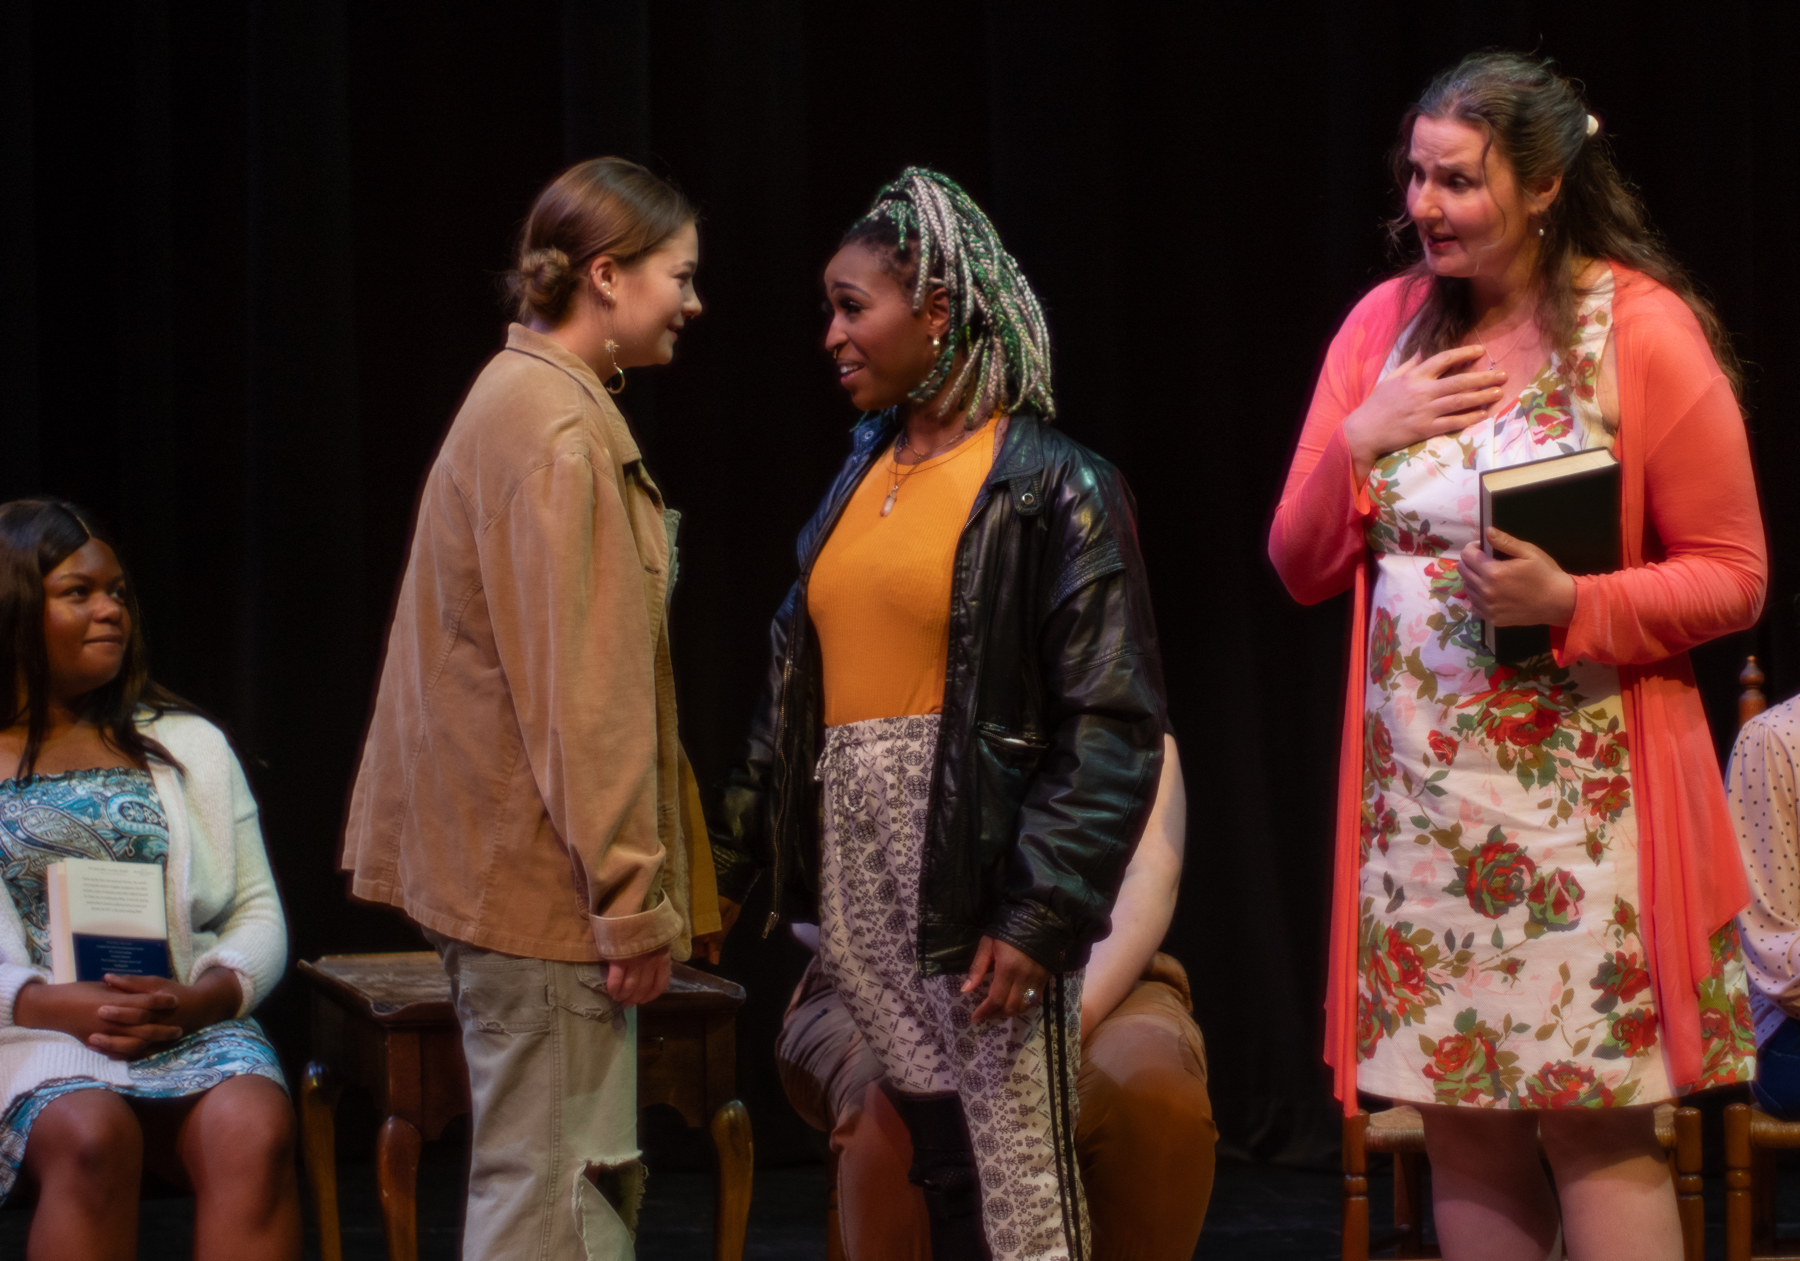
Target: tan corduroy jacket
(522, 787)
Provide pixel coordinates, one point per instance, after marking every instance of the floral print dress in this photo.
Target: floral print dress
(1499, 958)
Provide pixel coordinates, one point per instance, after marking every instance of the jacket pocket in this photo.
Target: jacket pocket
(502, 994)
(1006, 761)
(1018, 746)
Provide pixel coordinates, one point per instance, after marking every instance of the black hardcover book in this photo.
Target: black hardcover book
(1569, 506)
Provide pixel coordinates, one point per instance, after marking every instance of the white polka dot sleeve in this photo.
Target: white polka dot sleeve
(1762, 785)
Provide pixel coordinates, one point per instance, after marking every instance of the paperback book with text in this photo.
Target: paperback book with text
(106, 917)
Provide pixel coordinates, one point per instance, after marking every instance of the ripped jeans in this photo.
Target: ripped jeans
(554, 1171)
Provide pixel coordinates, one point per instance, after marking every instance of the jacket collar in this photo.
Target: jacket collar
(1022, 454)
(619, 436)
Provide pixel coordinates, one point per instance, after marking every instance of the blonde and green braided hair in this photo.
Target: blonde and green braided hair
(995, 319)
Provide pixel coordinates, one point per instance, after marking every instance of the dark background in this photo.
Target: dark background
(249, 255)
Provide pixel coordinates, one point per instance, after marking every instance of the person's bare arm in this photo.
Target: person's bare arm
(1146, 902)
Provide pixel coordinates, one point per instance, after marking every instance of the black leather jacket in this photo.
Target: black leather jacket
(1051, 737)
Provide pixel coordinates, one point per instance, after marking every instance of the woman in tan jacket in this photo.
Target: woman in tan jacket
(521, 789)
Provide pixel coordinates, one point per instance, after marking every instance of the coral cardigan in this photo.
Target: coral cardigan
(1695, 568)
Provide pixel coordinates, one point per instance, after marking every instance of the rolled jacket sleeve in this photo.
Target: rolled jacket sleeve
(566, 592)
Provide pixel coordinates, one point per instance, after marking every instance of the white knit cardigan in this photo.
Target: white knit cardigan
(222, 905)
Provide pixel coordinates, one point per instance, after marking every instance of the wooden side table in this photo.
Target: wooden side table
(384, 1022)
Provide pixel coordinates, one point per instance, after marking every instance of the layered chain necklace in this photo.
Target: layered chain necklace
(896, 477)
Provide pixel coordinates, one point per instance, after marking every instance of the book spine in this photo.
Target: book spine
(1489, 636)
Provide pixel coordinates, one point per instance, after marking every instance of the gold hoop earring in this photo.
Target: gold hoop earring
(612, 352)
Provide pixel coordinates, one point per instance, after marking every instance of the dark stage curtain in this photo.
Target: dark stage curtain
(250, 258)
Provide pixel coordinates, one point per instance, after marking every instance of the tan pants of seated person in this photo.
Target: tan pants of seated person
(1144, 1137)
(554, 1170)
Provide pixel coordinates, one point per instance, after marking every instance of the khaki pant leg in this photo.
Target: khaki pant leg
(553, 1171)
(1145, 1135)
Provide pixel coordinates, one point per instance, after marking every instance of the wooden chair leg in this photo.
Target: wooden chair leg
(1738, 1215)
(1409, 1209)
(319, 1091)
(737, 1164)
(1356, 1188)
(1688, 1202)
(397, 1176)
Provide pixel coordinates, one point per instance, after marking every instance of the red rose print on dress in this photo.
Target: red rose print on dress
(1620, 979)
(1464, 1067)
(1566, 1085)
(1605, 751)
(1378, 750)
(1625, 916)
(1368, 1028)
(1526, 722)
(1554, 902)
(1399, 968)
(1384, 648)
(1606, 798)
(1714, 1026)
(1495, 880)
(1421, 542)
(1380, 823)
(1508, 967)
(1634, 1033)
(1514, 716)
(1443, 747)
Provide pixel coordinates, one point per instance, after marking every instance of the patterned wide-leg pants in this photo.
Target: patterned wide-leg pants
(1016, 1077)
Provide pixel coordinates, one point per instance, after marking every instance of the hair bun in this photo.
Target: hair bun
(542, 282)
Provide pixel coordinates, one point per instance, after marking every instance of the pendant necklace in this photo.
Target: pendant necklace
(1517, 341)
(1494, 363)
(887, 505)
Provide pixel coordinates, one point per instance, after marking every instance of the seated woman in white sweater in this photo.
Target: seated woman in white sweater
(99, 1079)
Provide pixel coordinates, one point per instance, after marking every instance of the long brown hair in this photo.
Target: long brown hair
(601, 206)
(37, 535)
(1538, 122)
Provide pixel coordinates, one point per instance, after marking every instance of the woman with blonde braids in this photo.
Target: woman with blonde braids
(966, 693)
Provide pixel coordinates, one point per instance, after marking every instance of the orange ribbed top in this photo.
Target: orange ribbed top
(880, 591)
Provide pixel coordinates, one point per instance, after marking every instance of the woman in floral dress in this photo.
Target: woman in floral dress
(1532, 931)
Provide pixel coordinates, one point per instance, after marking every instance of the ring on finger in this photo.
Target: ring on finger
(1030, 997)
